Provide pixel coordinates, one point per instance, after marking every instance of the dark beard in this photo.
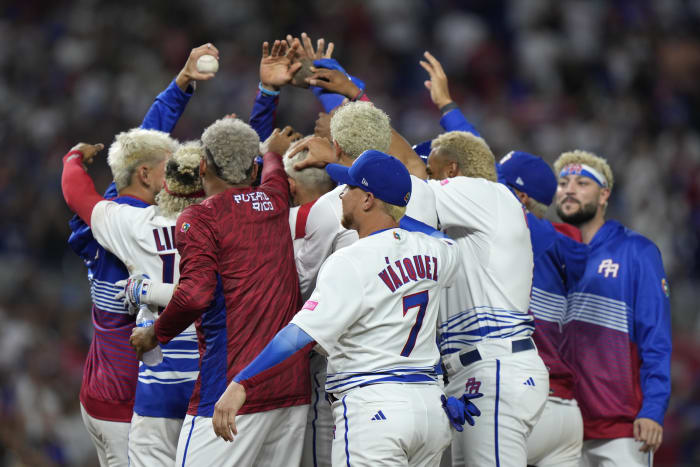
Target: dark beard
(585, 213)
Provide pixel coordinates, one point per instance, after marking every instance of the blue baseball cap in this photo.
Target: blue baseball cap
(378, 173)
(529, 174)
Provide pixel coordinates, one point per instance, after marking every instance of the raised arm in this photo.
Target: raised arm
(169, 105)
(276, 70)
(452, 117)
(77, 186)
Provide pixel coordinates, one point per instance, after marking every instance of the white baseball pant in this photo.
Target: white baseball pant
(557, 438)
(514, 385)
(620, 452)
(390, 424)
(153, 441)
(111, 440)
(271, 438)
(320, 425)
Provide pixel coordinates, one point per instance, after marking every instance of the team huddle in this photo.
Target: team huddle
(345, 298)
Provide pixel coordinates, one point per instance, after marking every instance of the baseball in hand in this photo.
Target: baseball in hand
(207, 64)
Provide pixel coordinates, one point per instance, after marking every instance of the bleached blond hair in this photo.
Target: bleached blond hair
(578, 156)
(182, 182)
(470, 152)
(233, 146)
(136, 147)
(396, 212)
(360, 126)
(311, 177)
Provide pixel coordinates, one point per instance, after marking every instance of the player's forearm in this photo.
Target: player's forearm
(272, 164)
(403, 151)
(77, 186)
(454, 120)
(193, 296)
(262, 117)
(167, 108)
(286, 343)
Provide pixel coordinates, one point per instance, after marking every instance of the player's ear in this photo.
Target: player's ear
(603, 196)
(202, 167)
(254, 172)
(452, 169)
(292, 185)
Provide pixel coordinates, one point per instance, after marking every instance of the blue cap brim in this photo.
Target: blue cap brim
(339, 174)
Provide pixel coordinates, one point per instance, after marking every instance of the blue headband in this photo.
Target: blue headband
(585, 171)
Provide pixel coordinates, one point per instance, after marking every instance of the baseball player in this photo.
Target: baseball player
(240, 286)
(110, 374)
(484, 325)
(617, 330)
(143, 238)
(373, 313)
(355, 128)
(557, 437)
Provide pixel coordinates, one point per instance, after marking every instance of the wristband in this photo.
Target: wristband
(267, 92)
(358, 96)
(446, 108)
(73, 155)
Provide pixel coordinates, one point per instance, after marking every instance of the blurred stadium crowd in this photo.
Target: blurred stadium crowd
(619, 78)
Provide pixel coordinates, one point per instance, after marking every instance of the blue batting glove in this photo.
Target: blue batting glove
(135, 287)
(470, 409)
(454, 408)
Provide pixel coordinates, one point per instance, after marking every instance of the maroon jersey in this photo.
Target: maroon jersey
(239, 284)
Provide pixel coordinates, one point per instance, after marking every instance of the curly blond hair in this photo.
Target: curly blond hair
(182, 183)
(470, 152)
(312, 177)
(136, 147)
(359, 126)
(233, 146)
(578, 156)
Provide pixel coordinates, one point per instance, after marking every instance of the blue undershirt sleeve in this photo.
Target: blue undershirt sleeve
(286, 343)
(454, 120)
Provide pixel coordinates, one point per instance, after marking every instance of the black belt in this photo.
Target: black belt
(472, 356)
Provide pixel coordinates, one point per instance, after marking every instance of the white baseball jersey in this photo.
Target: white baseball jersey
(144, 240)
(374, 309)
(493, 292)
(318, 232)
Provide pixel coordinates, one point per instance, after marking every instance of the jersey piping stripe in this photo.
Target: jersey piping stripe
(187, 444)
(317, 388)
(345, 416)
(495, 415)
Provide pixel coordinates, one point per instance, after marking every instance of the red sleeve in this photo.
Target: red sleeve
(195, 241)
(78, 188)
(273, 175)
(568, 230)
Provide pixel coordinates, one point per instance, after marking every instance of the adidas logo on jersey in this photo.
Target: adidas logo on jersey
(529, 382)
(378, 416)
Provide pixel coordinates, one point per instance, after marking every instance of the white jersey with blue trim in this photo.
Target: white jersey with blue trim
(492, 292)
(375, 306)
(144, 240)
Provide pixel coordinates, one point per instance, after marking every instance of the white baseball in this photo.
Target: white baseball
(207, 64)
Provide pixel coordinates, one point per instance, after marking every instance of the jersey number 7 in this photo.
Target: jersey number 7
(419, 300)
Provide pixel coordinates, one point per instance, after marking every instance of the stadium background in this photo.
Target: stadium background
(619, 78)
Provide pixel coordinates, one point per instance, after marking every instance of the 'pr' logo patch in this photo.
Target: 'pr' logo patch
(184, 227)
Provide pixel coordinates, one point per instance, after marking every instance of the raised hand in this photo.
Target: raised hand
(280, 140)
(333, 81)
(189, 72)
(305, 54)
(276, 67)
(89, 151)
(437, 85)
